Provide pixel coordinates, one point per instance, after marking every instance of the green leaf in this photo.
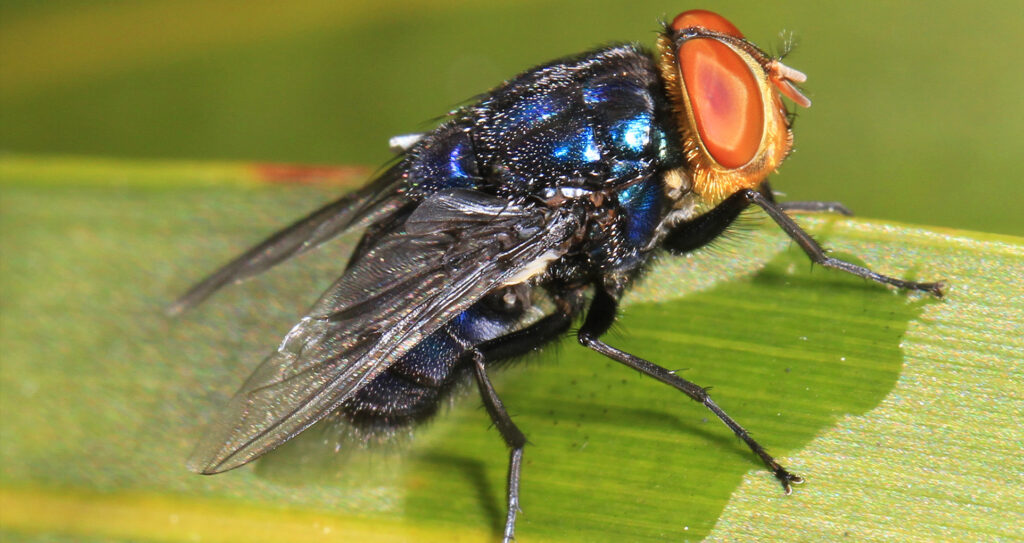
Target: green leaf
(902, 412)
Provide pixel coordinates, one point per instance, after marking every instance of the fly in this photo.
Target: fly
(560, 183)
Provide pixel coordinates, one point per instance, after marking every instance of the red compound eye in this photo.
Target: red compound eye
(707, 19)
(725, 92)
(725, 98)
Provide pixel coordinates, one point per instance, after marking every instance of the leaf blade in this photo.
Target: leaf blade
(101, 396)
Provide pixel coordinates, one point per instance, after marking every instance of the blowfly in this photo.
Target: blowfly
(559, 184)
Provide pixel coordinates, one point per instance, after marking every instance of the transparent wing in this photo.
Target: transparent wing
(364, 206)
(453, 249)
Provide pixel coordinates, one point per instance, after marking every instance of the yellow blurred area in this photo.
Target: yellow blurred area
(59, 46)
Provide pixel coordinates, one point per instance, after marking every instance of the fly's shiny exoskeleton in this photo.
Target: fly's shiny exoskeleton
(562, 182)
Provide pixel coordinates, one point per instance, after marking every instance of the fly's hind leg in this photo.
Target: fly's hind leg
(513, 437)
(514, 344)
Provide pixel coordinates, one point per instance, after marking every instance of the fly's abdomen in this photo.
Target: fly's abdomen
(411, 389)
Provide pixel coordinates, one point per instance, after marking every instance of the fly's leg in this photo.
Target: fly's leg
(815, 207)
(511, 345)
(701, 230)
(599, 319)
(533, 336)
(513, 437)
(812, 206)
(817, 255)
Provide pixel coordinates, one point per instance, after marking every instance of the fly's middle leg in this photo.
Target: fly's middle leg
(599, 319)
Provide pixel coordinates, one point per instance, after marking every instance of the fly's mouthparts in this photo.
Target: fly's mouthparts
(783, 77)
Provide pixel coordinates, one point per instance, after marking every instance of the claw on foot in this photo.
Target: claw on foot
(935, 288)
(788, 479)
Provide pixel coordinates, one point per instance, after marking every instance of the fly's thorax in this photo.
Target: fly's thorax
(725, 94)
(591, 121)
(616, 235)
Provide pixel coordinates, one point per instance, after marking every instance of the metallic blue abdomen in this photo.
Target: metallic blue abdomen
(409, 390)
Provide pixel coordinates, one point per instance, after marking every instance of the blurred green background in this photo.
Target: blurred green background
(917, 110)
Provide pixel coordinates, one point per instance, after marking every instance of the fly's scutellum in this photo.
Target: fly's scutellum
(560, 183)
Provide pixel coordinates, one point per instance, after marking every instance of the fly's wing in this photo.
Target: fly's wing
(453, 249)
(366, 205)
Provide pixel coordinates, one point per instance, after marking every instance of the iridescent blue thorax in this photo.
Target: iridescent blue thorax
(642, 206)
(583, 122)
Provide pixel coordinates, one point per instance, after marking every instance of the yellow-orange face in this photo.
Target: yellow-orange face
(725, 92)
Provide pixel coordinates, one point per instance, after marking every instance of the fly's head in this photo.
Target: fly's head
(725, 93)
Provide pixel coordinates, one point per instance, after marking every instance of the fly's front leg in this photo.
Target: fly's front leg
(701, 230)
(815, 252)
(599, 319)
